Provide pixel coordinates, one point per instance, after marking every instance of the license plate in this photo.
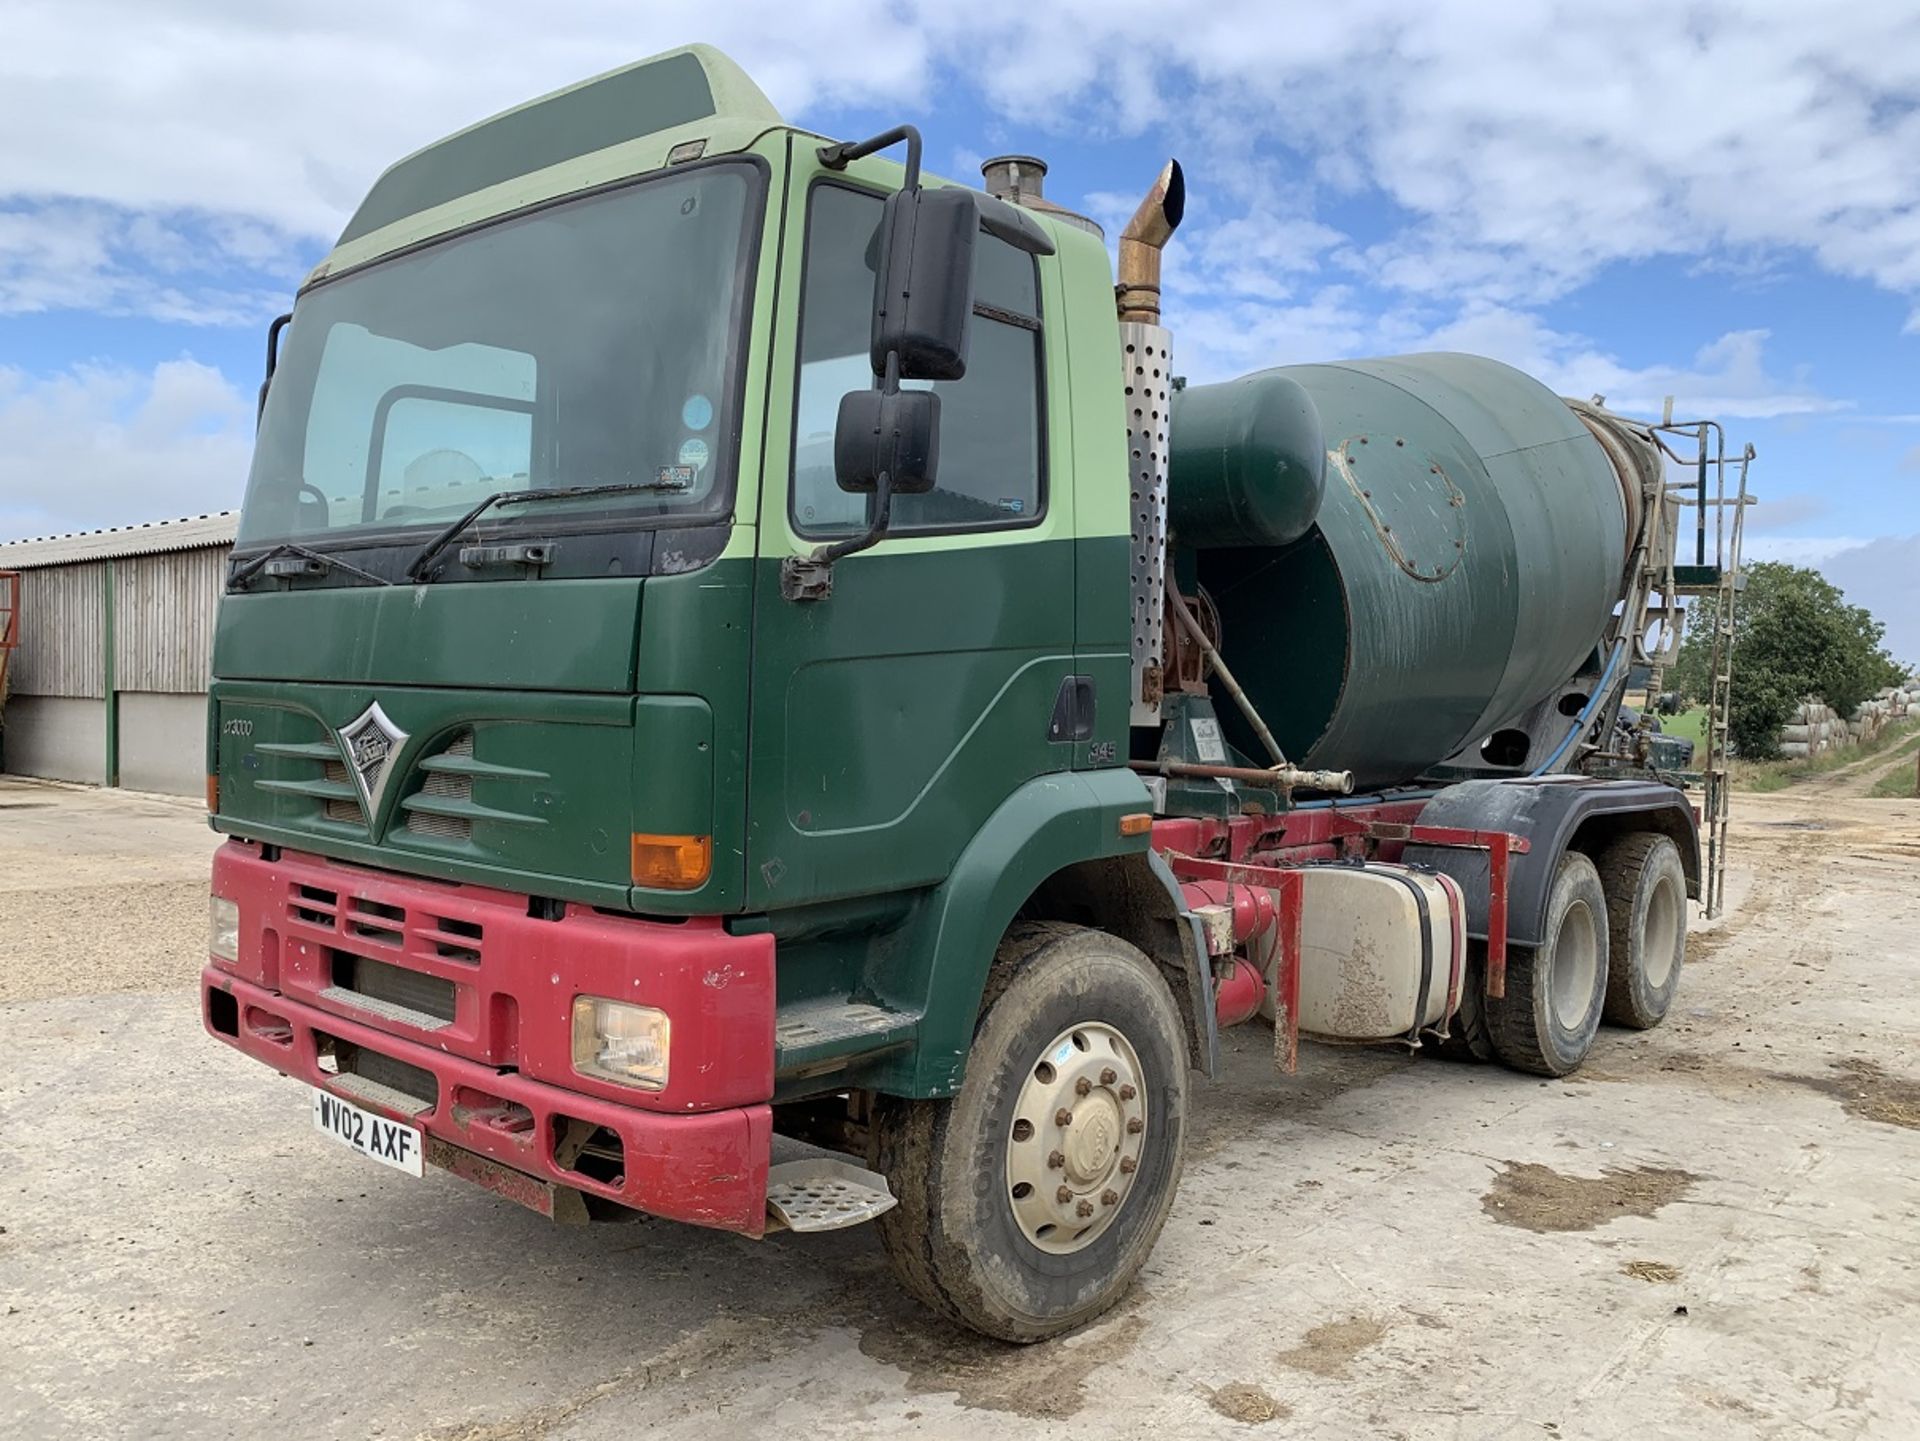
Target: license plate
(391, 1143)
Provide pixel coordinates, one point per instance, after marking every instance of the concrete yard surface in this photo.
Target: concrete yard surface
(1713, 1230)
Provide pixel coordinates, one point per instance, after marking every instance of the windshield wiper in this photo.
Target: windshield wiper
(318, 563)
(417, 567)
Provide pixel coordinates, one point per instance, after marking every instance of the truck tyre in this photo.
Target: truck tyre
(1646, 889)
(1556, 991)
(1467, 1038)
(1029, 1200)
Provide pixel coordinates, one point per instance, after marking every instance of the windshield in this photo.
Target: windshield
(588, 343)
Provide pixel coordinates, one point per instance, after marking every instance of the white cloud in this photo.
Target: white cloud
(1526, 146)
(83, 255)
(1783, 512)
(183, 161)
(1884, 576)
(1529, 145)
(1215, 339)
(1728, 379)
(101, 445)
(280, 113)
(1814, 550)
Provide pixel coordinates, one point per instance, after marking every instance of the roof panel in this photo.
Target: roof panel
(187, 533)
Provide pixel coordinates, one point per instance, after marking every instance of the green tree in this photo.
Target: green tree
(1794, 636)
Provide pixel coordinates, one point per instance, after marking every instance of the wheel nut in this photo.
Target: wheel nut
(1109, 1076)
(1135, 1126)
(1063, 1195)
(1109, 1198)
(1127, 1165)
(1083, 1210)
(1127, 1093)
(1056, 1160)
(1082, 1087)
(1063, 1117)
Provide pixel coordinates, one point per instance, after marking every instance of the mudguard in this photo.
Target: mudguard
(1050, 823)
(1555, 813)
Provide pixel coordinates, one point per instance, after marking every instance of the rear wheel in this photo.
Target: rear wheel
(1555, 992)
(1029, 1201)
(1646, 887)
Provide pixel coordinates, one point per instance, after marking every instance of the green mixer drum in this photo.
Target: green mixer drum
(1467, 554)
(1251, 459)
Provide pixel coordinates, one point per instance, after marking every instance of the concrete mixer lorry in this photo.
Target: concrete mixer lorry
(750, 691)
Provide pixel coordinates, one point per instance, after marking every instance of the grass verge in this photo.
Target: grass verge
(1691, 723)
(1903, 781)
(1763, 776)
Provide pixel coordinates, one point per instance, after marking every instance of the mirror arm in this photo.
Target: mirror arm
(810, 577)
(280, 323)
(882, 514)
(838, 157)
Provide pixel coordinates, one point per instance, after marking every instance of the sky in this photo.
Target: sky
(1632, 198)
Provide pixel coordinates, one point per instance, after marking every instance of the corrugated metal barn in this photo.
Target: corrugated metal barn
(108, 681)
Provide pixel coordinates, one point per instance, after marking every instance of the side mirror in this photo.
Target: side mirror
(886, 440)
(923, 286)
(892, 433)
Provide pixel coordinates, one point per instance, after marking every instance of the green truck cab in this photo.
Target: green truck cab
(673, 690)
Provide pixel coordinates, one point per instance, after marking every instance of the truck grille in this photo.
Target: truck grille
(362, 920)
(391, 991)
(446, 785)
(370, 1076)
(342, 810)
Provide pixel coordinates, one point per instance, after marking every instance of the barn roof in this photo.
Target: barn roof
(192, 532)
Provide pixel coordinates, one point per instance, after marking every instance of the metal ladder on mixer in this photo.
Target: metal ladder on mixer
(1721, 578)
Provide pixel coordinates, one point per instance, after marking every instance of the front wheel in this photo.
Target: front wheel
(1029, 1201)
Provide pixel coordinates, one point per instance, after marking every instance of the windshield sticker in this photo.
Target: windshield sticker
(1012, 504)
(694, 452)
(697, 413)
(678, 477)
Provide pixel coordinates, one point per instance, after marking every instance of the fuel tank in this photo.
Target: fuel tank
(1465, 551)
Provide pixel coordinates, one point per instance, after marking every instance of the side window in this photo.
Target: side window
(990, 468)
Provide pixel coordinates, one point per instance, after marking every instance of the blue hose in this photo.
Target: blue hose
(1586, 714)
(1340, 802)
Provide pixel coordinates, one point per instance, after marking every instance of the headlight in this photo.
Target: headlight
(619, 1042)
(223, 928)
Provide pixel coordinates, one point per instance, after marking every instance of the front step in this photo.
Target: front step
(812, 1037)
(824, 1195)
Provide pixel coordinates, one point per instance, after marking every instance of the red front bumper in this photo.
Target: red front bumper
(502, 1083)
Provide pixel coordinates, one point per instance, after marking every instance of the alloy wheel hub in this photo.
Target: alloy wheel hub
(1074, 1146)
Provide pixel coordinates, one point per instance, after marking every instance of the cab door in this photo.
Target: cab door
(891, 718)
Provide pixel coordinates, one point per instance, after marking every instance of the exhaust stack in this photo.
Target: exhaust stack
(1021, 180)
(1146, 235)
(1147, 375)
(1016, 179)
